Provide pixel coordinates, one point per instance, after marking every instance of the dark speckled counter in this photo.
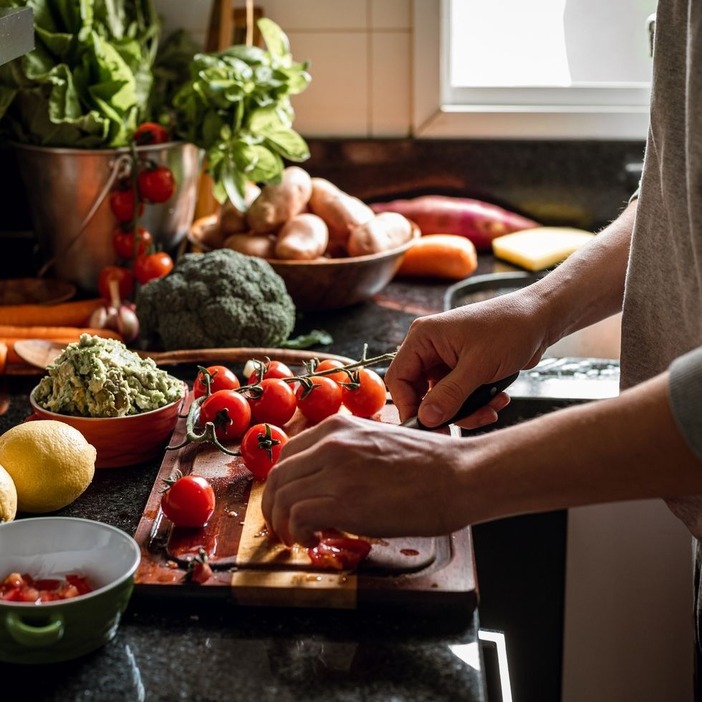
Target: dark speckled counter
(200, 651)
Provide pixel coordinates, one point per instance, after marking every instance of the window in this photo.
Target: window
(550, 69)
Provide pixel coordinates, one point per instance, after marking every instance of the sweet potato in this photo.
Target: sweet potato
(302, 238)
(261, 245)
(447, 256)
(341, 212)
(384, 232)
(278, 202)
(479, 221)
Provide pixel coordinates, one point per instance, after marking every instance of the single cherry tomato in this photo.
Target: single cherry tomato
(260, 448)
(189, 501)
(318, 398)
(364, 394)
(329, 364)
(230, 413)
(122, 203)
(156, 184)
(123, 242)
(272, 401)
(221, 378)
(199, 570)
(150, 133)
(335, 551)
(152, 266)
(125, 282)
(268, 369)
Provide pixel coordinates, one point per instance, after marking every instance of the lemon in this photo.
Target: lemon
(50, 462)
(8, 497)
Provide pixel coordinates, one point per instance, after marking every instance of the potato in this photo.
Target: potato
(302, 238)
(341, 212)
(261, 245)
(233, 220)
(384, 232)
(279, 202)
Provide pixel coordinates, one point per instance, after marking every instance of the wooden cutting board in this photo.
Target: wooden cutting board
(252, 569)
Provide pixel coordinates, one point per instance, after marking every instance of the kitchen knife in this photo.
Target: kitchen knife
(477, 399)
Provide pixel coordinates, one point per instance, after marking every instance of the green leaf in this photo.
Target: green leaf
(316, 337)
(275, 39)
(288, 144)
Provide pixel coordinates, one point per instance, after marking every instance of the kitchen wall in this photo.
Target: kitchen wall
(359, 53)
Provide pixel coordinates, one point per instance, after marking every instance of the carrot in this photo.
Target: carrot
(440, 256)
(10, 334)
(479, 221)
(3, 357)
(66, 314)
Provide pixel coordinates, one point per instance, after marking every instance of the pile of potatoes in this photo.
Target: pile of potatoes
(304, 218)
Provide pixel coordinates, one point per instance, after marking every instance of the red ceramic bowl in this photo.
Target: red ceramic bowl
(122, 441)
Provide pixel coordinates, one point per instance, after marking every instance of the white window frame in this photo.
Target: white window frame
(613, 114)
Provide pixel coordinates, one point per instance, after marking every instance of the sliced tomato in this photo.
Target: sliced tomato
(336, 551)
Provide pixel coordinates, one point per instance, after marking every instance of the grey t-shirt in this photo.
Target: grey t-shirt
(662, 321)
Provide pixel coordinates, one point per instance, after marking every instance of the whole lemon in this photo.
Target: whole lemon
(8, 497)
(50, 462)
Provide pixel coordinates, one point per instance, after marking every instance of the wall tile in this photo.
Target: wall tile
(390, 14)
(310, 15)
(390, 76)
(336, 102)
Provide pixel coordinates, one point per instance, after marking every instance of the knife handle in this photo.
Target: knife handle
(477, 399)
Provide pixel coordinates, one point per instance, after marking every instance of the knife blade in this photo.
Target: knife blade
(477, 399)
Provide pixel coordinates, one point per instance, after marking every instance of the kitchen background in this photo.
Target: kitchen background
(627, 613)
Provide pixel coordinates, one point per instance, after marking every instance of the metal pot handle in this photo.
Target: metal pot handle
(120, 166)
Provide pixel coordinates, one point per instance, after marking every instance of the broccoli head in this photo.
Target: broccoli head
(214, 300)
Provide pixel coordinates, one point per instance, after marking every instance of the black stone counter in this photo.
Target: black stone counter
(199, 651)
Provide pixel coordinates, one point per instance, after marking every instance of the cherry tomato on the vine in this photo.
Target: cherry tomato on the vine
(122, 203)
(328, 364)
(150, 133)
(260, 448)
(156, 184)
(124, 244)
(272, 401)
(189, 501)
(125, 282)
(230, 413)
(151, 266)
(364, 394)
(221, 378)
(269, 369)
(318, 398)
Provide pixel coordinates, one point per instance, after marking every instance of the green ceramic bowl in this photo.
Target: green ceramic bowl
(61, 630)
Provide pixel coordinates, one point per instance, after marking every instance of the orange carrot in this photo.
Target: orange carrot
(66, 314)
(3, 357)
(449, 256)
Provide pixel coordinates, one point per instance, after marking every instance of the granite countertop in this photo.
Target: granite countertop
(194, 650)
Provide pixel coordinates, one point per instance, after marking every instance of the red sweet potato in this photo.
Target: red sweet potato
(479, 221)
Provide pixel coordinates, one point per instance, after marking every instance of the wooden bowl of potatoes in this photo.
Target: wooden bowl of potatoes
(329, 247)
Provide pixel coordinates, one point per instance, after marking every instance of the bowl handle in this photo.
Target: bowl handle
(33, 636)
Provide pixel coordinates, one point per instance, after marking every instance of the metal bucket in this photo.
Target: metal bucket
(68, 189)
